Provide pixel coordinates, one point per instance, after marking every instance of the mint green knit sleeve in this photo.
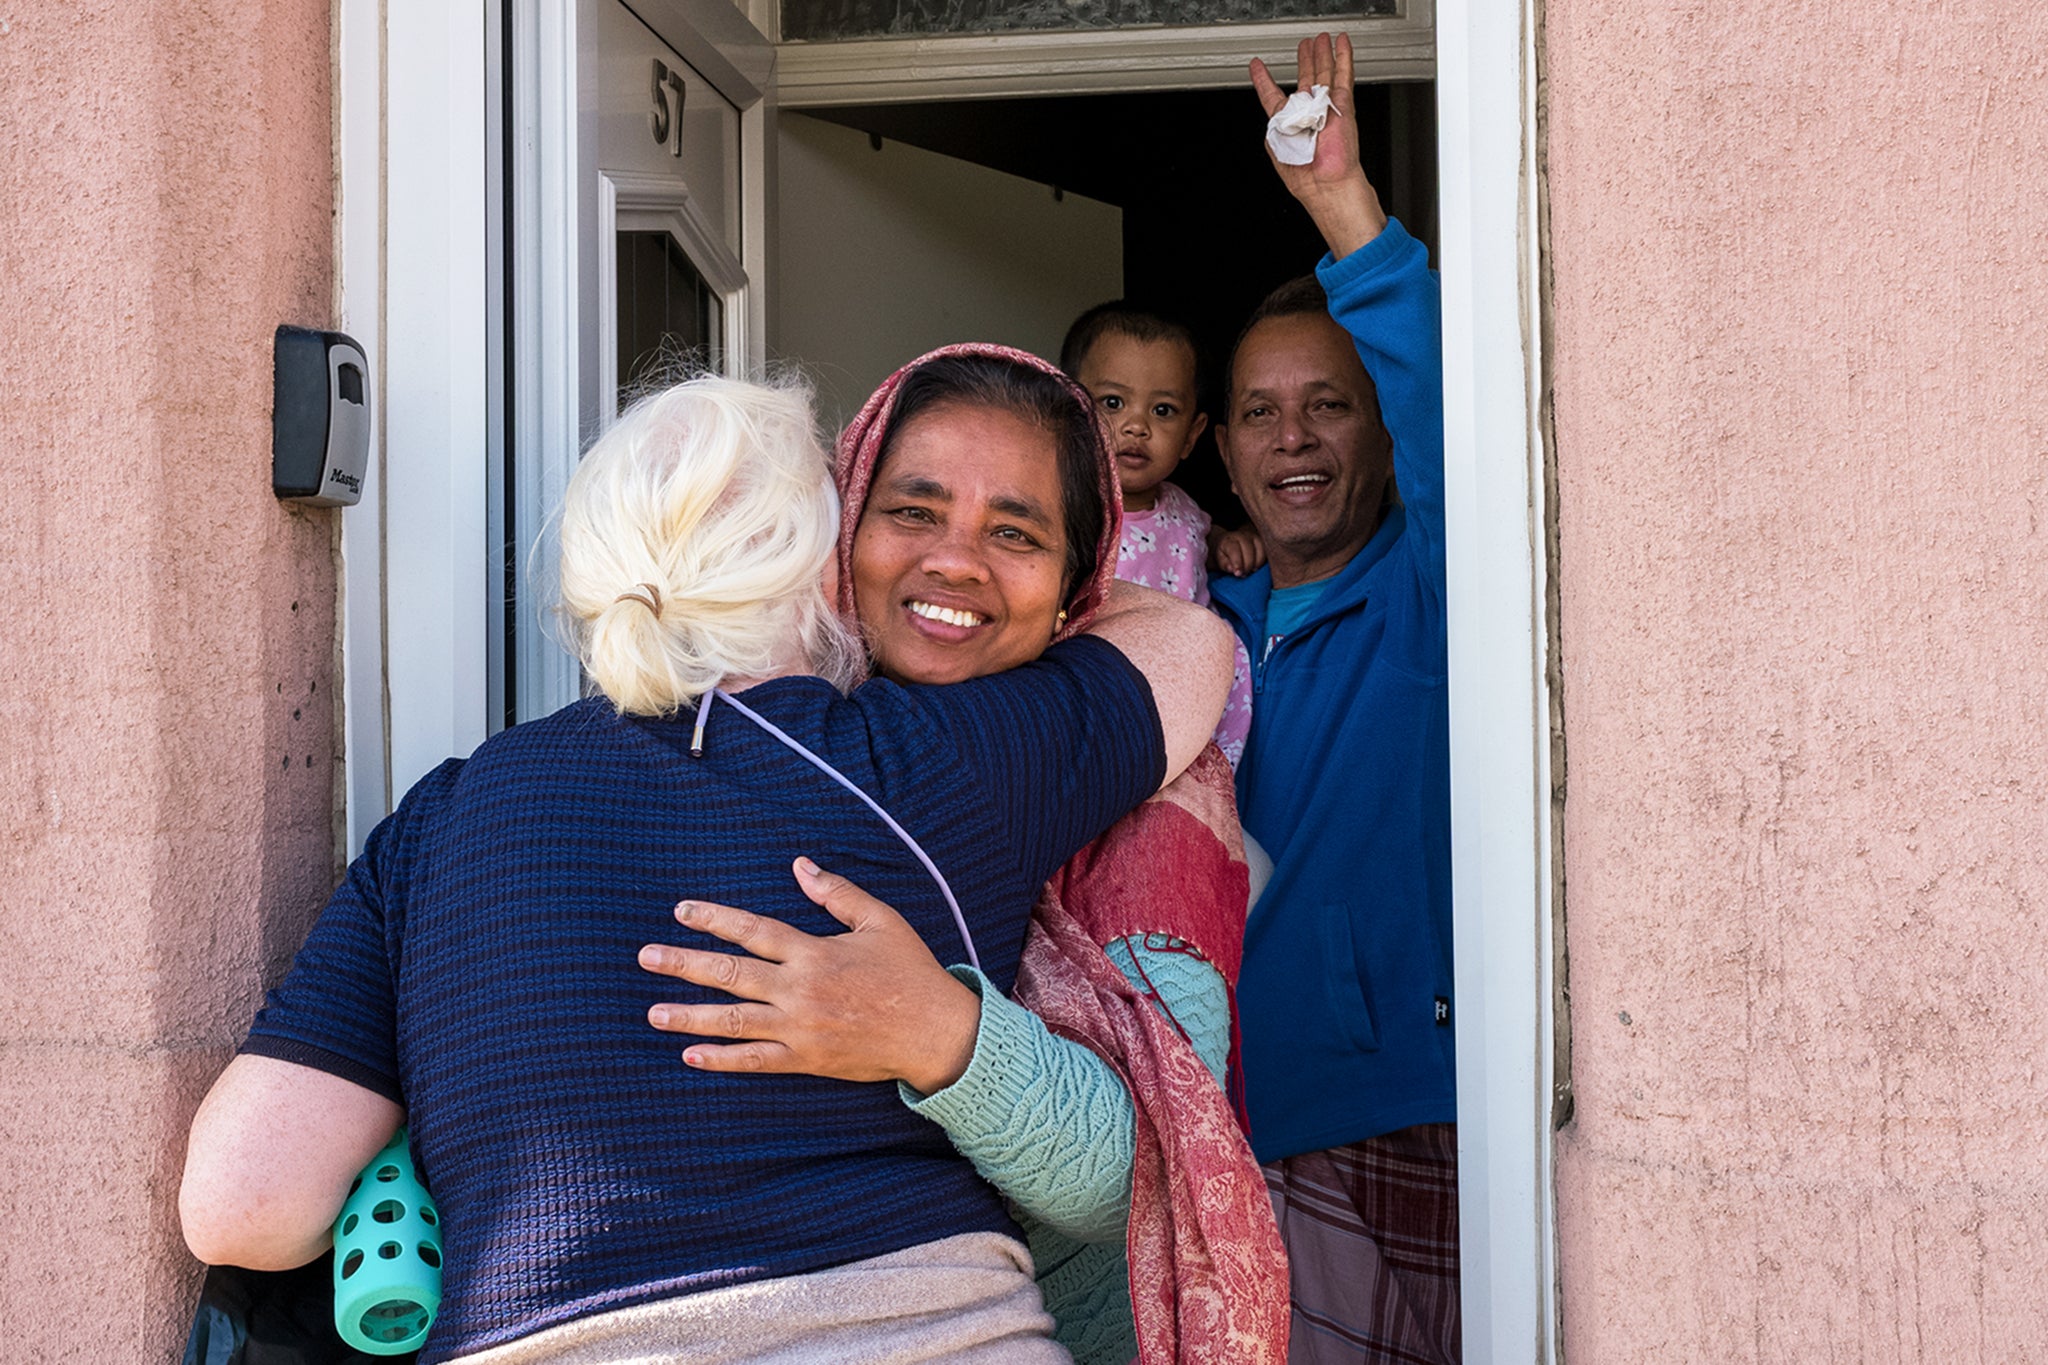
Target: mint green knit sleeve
(1186, 988)
(1048, 1122)
(1042, 1118)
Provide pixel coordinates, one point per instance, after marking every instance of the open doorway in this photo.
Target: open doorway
(1204, 229)
(416, 86)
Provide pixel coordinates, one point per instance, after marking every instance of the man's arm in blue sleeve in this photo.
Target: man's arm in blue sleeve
(1386, 296)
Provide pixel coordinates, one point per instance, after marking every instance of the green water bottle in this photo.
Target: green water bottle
(387, 1257)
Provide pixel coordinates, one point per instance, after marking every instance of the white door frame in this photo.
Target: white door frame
(560, 200)
(413, 251)
(1484, 64)
(415, 247)
(548, 276)
(413, 151)
(1500, 698)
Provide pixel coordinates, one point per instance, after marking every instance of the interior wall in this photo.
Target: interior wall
(167, 715)
(887, 254)
(1800, 329)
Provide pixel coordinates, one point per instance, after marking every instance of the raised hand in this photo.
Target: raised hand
(1332, 186)
(870, 1005)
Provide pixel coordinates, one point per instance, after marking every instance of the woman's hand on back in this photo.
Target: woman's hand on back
(869, 1005)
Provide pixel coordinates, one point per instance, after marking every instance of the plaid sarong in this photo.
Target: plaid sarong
(1372, 1241)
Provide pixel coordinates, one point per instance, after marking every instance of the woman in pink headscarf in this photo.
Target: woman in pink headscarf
(1101, 1113)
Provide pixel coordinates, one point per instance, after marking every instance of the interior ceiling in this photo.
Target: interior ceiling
(1107, 147)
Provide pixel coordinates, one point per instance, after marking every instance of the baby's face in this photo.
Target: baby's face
(1146, 392)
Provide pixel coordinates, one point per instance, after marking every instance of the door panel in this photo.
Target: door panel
(641, 79)
(614, 132)
(667, 229)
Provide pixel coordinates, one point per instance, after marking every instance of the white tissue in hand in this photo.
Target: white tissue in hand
(1291, 133)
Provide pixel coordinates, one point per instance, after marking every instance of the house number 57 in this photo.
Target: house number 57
(663, 120)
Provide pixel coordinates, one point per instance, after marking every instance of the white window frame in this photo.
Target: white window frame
(412, 148)
(632, 201)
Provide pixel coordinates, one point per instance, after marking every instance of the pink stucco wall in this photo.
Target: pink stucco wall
(167, 728)
(1801, 387)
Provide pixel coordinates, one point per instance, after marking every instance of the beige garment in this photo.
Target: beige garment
(966, 1298)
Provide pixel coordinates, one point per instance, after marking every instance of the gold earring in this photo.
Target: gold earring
(1060, 620)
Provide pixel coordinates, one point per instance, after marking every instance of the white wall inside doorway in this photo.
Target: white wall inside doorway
(885, 255)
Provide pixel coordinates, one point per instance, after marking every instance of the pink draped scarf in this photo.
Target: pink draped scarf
(1208, 1274)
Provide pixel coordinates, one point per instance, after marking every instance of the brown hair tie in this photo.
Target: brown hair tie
(651, 599)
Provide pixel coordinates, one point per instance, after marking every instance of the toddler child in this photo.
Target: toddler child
(1142, 371)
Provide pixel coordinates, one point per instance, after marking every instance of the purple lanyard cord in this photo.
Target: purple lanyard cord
(697, 751)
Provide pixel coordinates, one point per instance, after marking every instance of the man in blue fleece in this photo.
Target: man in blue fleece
(1336, 400)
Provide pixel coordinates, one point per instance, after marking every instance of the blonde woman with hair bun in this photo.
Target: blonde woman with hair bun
(600, 1201)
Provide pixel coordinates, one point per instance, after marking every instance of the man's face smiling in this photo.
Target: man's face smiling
(1308, 454)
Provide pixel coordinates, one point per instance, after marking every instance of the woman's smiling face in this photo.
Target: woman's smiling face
(960, 555)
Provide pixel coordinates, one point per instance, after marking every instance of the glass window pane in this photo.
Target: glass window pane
(670, 320)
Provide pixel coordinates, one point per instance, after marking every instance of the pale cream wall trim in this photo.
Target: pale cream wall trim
(1085, 61)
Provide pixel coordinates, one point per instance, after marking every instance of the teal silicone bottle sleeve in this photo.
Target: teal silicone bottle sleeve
(387, 1257)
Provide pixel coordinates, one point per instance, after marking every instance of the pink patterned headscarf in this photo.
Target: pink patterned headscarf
(1208, 1273)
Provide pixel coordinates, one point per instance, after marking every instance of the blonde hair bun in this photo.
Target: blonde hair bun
(694, 539)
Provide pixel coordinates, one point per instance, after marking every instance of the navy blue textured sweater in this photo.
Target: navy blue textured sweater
(479, 962)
